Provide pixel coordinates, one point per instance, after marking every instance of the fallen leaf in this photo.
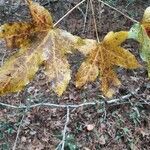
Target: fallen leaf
(141, 33)
(40, 16)
(101, 61)
(20, 68)
(39, 43)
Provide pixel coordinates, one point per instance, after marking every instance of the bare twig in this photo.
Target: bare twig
(110, 102)
(18, 132)
(65, 129)
(86, 14)
(94, 19)
(62, 143)
(133, 20)
(67, 105)
(69, 12)
(81, 11)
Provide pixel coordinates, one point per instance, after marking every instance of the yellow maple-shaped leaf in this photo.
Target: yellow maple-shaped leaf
(101, 61)
(57, 67)
(20, 68)
(31, 38)
(39, 43)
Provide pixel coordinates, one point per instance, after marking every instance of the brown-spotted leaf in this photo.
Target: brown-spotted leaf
(16, 34)
(19, 34)
(57, 67)
(49, 46)
(20, 68)
(43, 44)
(102, 60)
(40, 16)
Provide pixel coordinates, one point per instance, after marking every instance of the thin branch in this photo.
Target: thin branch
(109, 102)
(62, 143)
(81, 11)
(67, 105)
(133, 20)
(18, 132)
(86, 14)
(69, 12)
(65, 129)
(94, 19)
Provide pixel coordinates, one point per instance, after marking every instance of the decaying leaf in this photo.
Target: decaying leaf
(39, 43)
(141, 33)
(101, 61)
(20, 68)
(16, 34)
(57, 67)
(40, 16)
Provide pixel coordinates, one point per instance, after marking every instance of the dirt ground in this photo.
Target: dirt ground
(118, 126)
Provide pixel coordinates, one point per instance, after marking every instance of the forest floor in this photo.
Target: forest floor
(122, 125)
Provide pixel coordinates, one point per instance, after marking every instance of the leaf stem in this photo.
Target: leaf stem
(133, 20)
(68, 12)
